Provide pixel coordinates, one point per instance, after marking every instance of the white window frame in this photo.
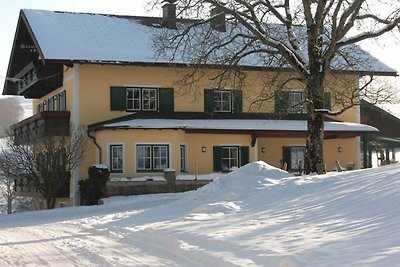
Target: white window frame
(184, 166)
(62, 100)
(294, 104)
(110, 157)
(153, 96)
(295, 162)
(133, 99)
(150, 90)
(152, 145)
(229, 158)
(219, 101)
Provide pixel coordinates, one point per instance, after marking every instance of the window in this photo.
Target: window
(226, 157)
(296, 102)
(222, 101)
(50, 104)
(149, 99)
(116, 158)
(152, 157)
(62, 105)
(293, 101)
(216, 100)
(294, 157)
(62, 204)
(53, 103)
(141, 99)
(230, 158)
(183, 158)
(133, 99)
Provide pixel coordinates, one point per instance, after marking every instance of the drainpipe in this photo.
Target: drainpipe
(96, 144)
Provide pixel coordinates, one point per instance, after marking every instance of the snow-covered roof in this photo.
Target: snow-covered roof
(97, 38)
(236, 125)
(90, 37)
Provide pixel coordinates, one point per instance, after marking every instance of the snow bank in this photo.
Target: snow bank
(249, 178)
(255, 216)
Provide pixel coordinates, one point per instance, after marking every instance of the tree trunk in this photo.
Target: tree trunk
(315, 99)
(314, 143)
(9, 204)
(315, 122)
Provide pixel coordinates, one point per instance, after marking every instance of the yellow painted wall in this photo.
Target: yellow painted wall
(273, 150)
(174, 138)
(36, 202)
(94, 82)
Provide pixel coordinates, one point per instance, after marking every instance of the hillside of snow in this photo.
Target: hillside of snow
(255, 216)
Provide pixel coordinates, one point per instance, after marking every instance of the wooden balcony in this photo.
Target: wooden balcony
(53, 123)
(36, 80)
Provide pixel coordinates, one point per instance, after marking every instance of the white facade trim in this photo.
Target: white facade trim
(109, 154)
(75, 124)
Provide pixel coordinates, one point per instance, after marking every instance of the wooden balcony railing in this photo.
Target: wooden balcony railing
(53, 123)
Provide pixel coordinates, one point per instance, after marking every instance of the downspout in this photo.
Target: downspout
(96, 144)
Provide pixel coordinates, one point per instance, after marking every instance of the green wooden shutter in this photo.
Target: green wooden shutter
(281, 101)
(286, 156)
(208, 100)
(327, 100)
(244, 155)
(217, 156)
(117, 98)
(166, 99)
(237, 101)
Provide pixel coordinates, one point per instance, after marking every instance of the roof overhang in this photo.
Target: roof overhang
(254, 127)
(387, 142)
(29, 74)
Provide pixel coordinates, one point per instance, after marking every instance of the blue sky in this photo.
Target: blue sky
(386, 49)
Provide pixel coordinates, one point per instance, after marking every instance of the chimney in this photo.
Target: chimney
(218, 22)
(169, 14)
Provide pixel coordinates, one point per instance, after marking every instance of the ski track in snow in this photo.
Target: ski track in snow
(338, 219)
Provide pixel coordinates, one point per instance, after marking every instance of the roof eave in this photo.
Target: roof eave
(22, 19)
(209, 66)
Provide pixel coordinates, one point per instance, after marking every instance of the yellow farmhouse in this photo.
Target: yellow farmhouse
(100, 72)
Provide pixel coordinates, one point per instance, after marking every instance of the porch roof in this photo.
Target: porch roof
(388, 142)
(257, 127)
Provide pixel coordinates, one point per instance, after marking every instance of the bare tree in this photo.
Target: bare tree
(45, 162)
(305, 38)
(6, 180)
(10, 112)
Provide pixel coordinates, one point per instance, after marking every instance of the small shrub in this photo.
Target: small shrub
(92, 189)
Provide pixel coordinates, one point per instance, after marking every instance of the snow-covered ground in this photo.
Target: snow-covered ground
(256, 216)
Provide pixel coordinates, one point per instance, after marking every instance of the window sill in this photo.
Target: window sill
(150, 171)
